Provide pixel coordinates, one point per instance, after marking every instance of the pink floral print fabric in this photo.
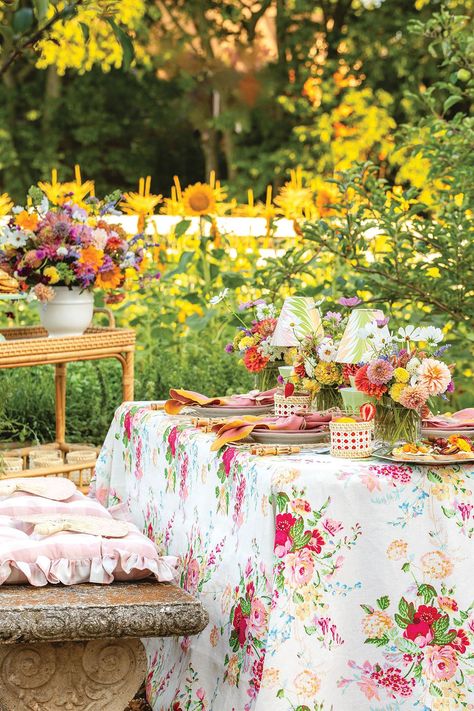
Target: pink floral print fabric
(330, 584)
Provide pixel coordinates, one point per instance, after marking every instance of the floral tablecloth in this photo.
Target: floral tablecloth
(330, 584)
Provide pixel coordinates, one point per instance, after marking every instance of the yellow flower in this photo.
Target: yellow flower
(327, 373)
(376, 624)
(199, 199)
(436, 564)
(459, 199)
(295, 199)
(397, 549)
(433, 272)
(401, 375)
(73, 191)
(142, 203)
(246, 342)
(311, 386)
(396, 390)
(52, 274)
(6, 204)
(307, 684)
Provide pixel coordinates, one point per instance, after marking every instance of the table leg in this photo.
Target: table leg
(128, 375)
(60, 382)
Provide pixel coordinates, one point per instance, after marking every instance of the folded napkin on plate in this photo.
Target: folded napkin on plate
(183, 398)
(236, 429)
(456, 421)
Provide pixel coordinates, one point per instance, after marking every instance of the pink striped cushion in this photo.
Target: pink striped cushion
(71, 558)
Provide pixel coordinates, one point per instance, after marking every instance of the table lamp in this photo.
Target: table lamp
(355, 348)
(298, 318)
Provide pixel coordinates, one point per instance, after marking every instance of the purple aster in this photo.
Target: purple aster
(379, 371)
(381, 322)
(350, 301)
(229, 348)
(450, 388)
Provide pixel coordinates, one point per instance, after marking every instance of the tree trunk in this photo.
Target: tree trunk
(51, 102)
(209, 147)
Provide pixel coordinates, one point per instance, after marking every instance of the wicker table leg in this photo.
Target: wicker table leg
(128, 375)
(60, 382)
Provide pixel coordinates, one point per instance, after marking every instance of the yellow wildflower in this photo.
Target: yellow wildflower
(142, 203)
(401, 375)
(396, 390)
(6, 204)
(327, 373)
(52, 274)
(459, 199)
(246, 342)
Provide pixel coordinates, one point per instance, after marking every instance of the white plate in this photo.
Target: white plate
(439, 461)
(289, 437)
(221, 411)
(438, 432)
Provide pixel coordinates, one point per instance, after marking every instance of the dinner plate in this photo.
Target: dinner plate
(289, 436)
(439, 461)
(222, 411)
(438, 432)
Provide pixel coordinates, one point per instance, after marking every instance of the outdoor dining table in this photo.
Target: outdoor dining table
(330, 584)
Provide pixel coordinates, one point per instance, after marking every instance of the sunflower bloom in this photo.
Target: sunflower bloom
(109, 278)
(6, 204)
(199, 199)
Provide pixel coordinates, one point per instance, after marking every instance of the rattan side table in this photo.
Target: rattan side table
(31, 346)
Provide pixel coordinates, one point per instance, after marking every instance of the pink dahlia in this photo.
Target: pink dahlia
(414, 397)
(379, 371)
(434, 375)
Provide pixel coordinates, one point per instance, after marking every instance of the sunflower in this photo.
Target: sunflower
(199, 199)
(109, 278)
(5, 204)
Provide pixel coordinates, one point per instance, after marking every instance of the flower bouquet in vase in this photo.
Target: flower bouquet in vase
(62, 248)
(405, 374)
(315, 366)
(252, 343)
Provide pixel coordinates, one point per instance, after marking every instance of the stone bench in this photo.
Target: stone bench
(79, 647)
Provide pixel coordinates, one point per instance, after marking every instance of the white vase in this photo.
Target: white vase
(69, 313)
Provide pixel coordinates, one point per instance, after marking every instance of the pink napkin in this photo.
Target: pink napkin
(182, 398)
(457, 421)
(250, 399)
(236, 429)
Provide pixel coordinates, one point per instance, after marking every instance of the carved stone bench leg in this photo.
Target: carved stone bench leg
(100, 675)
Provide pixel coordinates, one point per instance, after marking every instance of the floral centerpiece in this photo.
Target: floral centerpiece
(63, 247)
(315, 368)
(253, 343)
(405, 374)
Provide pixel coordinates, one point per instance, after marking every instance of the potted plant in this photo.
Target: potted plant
(62, 247)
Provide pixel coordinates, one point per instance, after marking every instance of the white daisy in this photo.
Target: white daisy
(219, 297)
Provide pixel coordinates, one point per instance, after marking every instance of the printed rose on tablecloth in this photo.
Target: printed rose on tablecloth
(200, 561)
(309, 546)
(424, 641)
(248, 628)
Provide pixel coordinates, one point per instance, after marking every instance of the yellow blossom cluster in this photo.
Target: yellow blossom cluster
(68, 47)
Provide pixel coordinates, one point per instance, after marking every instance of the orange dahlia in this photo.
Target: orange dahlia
(92, 256)
(254, 360)
(27, 220)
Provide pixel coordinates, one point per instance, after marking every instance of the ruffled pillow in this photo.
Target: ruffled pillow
(70, 558)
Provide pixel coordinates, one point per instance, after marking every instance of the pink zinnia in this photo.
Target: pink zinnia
(379, 371)
(413, 398)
